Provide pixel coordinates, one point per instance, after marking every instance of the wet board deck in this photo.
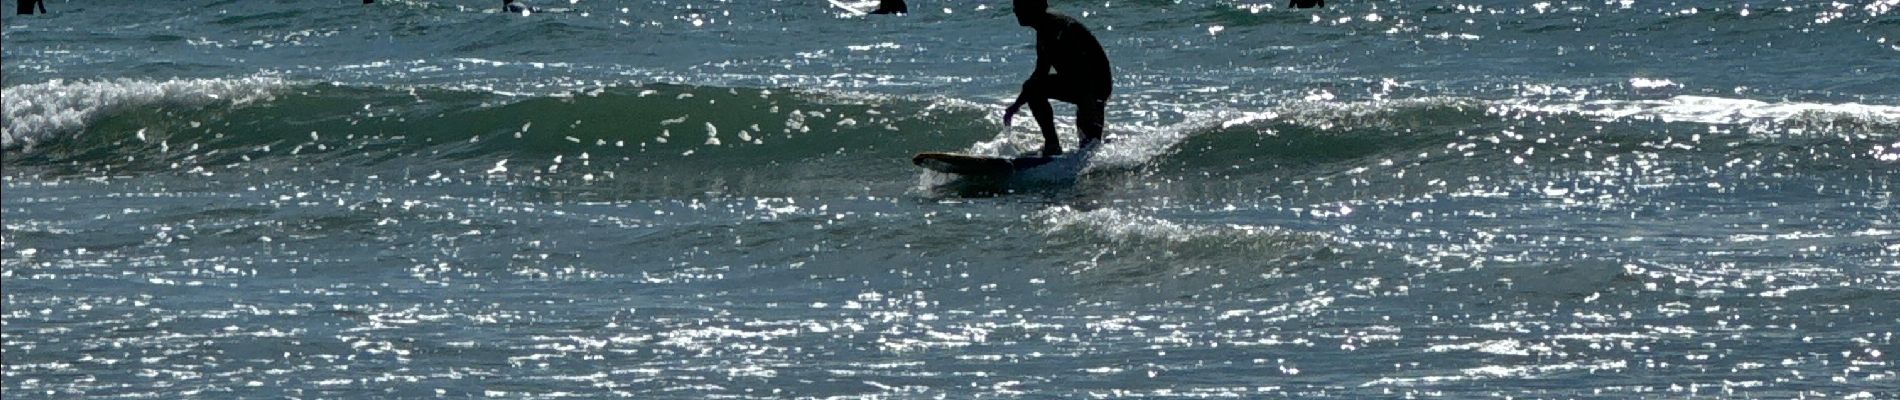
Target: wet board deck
(983, 166)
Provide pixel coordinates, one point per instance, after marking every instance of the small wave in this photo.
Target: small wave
(1721, 111)
(1125, 249)
(1385, 113)
(1508, 347)
(1134, 145)
(1119, 226)
(40, 112)
(643, 138)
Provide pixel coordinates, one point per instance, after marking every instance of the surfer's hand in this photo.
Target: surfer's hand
(1010, 113)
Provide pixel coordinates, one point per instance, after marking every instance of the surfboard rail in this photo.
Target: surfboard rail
(974, 165)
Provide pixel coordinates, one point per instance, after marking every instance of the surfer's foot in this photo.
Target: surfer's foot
(1051, 151)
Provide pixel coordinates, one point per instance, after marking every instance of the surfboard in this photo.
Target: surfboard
(977, 166)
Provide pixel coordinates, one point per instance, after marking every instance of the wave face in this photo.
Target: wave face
(713, 199)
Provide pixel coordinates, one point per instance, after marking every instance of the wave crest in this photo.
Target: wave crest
(39, 112)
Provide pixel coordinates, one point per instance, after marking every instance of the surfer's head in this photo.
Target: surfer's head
(1028, 12)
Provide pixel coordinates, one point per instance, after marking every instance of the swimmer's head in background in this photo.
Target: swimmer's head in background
(1030, 11)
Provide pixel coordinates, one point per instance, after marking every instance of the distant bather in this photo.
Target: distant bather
(26, 6)
(891, 7)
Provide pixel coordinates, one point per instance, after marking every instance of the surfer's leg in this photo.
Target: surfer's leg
(1036, 92)
(1091, 117)
(1091, 105)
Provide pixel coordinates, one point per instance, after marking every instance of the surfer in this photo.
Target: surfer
(1306, 4)
(26, 6)
(1070, 67)
(891, 7)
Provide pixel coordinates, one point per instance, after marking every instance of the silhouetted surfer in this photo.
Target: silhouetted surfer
(1306, 4)
(26, 6)
(1071, 67)
(891, 7)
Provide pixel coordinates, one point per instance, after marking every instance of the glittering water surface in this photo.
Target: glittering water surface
(681, 199)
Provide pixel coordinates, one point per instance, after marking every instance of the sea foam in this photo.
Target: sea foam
(40, 112)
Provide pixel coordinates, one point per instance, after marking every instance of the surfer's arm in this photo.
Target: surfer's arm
(1042, 71)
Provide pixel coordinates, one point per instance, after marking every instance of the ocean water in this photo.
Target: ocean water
(712, 199)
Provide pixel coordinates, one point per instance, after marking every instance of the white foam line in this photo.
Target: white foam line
(1709, 110)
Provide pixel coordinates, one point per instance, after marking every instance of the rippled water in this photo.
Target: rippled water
(692, 199)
